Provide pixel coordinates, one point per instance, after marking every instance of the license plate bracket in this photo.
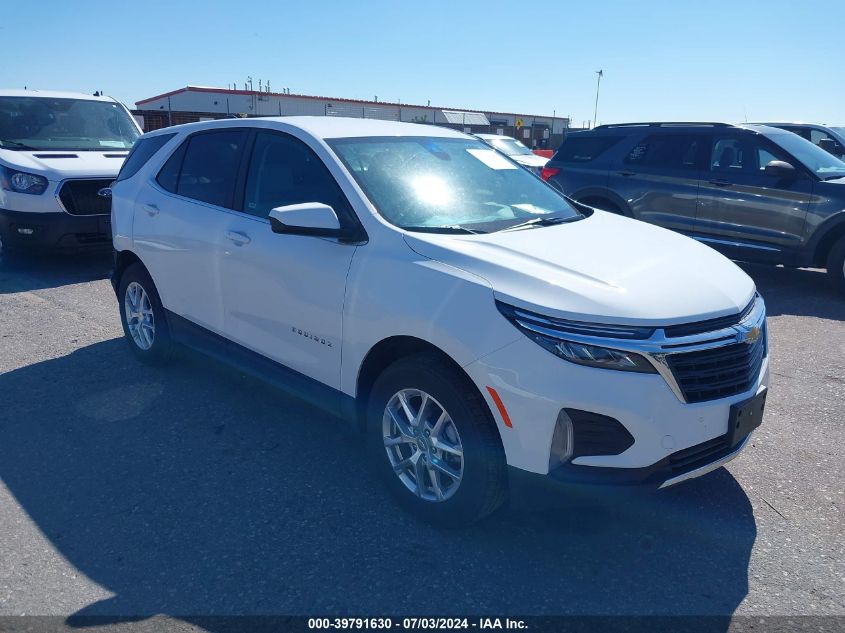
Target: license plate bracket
(745, 417)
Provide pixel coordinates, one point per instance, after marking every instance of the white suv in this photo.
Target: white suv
(481, 328)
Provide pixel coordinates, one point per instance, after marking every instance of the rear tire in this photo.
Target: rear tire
(142, 316)
(456, 490)
(836, 265)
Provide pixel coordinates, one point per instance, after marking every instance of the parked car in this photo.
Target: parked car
(829, 138)
(59, 152)
(755, 193)
(515, 150)
(481, 329)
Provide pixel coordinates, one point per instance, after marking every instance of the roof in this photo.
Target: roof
(230, 91)
(51, 94)
(328, 127)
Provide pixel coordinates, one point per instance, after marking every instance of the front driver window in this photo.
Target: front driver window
(282, 171)
(742, 155)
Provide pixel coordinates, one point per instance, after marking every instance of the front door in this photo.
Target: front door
(744, 212)
(283, 294)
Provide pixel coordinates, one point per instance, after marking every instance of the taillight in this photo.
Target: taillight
(548, 172)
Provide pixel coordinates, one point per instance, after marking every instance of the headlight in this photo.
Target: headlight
(22, 182)
(595, 356)
(560, 338)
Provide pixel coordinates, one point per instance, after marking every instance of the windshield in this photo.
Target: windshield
(42, 123)
(422, 183)
(820, 162)
(509, 146)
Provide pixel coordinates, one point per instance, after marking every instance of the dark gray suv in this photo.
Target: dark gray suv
(756, 193)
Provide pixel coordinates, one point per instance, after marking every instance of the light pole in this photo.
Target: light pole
(600, 74)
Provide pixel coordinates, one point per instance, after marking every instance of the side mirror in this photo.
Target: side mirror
(833, 146)
(310, 218)
(828, 145)
(780, 169)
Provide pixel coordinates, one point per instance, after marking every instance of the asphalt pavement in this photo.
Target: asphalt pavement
(191, 490)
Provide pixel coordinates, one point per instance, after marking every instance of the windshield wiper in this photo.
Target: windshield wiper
(16, 145)
(539, 222)
(454, 228)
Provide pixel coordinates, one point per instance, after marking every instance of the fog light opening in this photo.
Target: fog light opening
(563, 441)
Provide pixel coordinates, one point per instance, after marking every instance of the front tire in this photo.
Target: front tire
(836, 265)
(435, 443)
(142, 316)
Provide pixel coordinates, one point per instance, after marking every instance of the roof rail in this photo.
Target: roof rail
(664, 124)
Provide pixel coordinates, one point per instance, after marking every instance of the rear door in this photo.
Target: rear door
(741, 210)
(179, 222)
(659, 177)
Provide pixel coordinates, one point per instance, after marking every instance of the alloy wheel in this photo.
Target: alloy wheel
(139, 316)
(423, 445)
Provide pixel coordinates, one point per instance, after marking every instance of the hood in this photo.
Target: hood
(60, 164)
(531, 160)
(604, 268)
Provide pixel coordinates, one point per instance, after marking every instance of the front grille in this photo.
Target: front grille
(710, 325)
(79, 197)
(718, 372)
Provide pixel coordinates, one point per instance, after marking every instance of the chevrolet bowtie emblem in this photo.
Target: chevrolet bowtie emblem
(750, 336)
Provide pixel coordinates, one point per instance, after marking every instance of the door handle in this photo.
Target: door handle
(151, 209)
(238, 238)
(720, 183)
(626, 173)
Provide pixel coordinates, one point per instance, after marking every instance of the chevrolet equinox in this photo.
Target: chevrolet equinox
(478, 326)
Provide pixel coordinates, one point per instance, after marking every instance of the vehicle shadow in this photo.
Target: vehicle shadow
(22, 273)
(797, 291)
(193, 491)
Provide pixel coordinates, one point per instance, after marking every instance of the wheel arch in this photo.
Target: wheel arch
(122, 261)
(828, 234)
(600, 193)
(385, 353)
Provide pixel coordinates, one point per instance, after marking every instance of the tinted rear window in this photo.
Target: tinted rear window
(205, 167)
(583, 149)
(669, 151)
(142, 151)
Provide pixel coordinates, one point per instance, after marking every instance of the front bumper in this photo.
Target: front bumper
(673, 440)
(24, 231)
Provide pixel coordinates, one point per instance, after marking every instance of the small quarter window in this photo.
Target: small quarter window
(583, 149)
(142, 151)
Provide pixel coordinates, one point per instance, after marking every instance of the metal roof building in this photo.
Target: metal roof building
(195, 103)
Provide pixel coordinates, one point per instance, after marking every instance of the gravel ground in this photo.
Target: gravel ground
(192, 490)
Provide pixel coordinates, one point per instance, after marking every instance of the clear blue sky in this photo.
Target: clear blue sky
(674, 60)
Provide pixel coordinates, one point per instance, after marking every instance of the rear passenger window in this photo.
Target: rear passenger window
(583, 149)
(205, 168)
(142, 151)
(283, 170)
(675, 151)
(210, 167)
